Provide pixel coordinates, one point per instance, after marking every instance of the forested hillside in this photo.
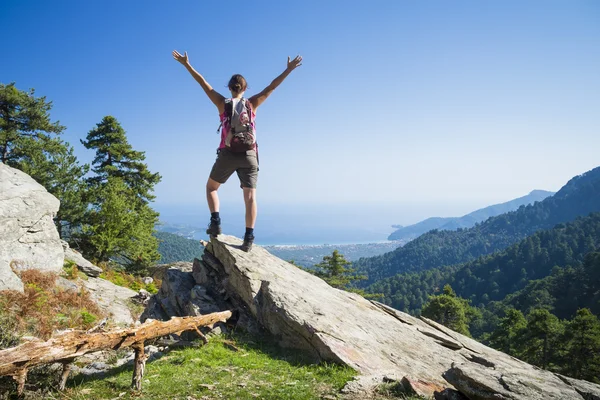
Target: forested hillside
(535, 273)
(174, 248)
(580, 196)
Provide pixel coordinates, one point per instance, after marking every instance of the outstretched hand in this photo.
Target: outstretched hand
(184, 58)
(293, 64)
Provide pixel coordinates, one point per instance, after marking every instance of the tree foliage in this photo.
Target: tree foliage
(118, 228)
(450, 311)
(336, 271)
(117, 159)
(119, 222)
(582, 346)
(523, 275)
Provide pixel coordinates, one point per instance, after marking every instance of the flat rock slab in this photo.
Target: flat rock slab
(304, 312)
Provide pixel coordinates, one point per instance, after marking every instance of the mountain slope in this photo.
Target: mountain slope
(172, 248)
(469, 220)
(580, 196)
(508, 272)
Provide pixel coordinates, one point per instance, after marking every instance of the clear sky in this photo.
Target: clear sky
(447, 104)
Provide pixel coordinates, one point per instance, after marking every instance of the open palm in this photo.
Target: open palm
(181, 58)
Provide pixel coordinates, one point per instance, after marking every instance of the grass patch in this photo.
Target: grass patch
(258, 370)
(122, 278)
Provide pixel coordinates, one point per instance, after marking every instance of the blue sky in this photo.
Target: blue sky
(438, 107)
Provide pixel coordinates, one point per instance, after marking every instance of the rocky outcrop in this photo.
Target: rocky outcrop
(28, 237)
(303, 312)
(181, 295)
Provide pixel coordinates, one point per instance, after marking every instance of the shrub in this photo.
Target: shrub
(43, 308)
(71, 270)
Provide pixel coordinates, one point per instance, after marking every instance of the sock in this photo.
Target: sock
(215, 217)
(249, 232)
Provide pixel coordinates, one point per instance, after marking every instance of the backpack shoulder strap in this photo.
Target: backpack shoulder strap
(228, 108)
(228, 112)
(249, 108)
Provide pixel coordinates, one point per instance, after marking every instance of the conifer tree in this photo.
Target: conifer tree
(120, 220)
(538, 342)
(504, 336)
(68, 184)
(450, 311)
(26, 133)
(118, 228)
(582, 338)
(116, 158)
(336, 271)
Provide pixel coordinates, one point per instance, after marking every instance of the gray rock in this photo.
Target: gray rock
(588, 390)
(142, 297)
(111, 298)
(449, 394)
(66, 284)
(303, 312)
(147, 280)
(28, 237)
(180, 296)
(82, 264)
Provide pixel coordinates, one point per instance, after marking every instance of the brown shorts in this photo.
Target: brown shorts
(245, 164)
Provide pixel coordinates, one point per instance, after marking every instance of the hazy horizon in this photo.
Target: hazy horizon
(315, 224)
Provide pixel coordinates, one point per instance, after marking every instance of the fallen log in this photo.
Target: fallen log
(64, 348)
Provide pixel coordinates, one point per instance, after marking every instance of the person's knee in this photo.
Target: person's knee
(249, 195)
(212, 186)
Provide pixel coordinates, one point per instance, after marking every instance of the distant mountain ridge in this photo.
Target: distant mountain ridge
(579, 197)
(468, 220)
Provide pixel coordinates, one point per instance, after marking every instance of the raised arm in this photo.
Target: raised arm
(259, 98)
(214, 96)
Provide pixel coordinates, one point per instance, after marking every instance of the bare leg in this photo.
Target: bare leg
(211, 195)
(251, 209)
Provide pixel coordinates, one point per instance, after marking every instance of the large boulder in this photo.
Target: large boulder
(28, 237)
(304, 312)
(180, 295)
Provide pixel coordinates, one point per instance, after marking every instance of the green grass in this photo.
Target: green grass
(215, 371)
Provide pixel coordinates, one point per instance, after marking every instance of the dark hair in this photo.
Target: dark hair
(237, 83)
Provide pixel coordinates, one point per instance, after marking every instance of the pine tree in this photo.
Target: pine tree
(504, 336)
(450, 311)
(120, 221)
(582, 338)
(119, 229)
(68, 184)
(26, 133)
(116, 158)
(538, 343)
(336, 271)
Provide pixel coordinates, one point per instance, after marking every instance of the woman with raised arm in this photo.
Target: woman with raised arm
(237, 151)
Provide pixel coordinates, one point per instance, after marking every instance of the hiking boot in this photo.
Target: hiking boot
(214, 228)
(248, 242)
